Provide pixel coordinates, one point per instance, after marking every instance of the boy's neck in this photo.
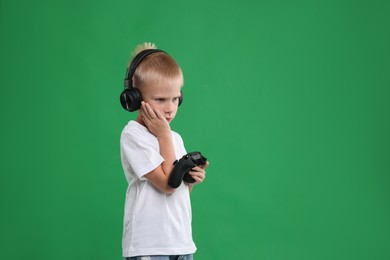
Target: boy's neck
(140, 121)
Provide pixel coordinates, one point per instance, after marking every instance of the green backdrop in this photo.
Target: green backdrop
(289, 100)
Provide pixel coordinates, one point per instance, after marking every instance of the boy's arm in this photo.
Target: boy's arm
(159, 176)
(157, 125)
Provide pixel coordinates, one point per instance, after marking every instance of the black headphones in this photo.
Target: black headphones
(131, 97)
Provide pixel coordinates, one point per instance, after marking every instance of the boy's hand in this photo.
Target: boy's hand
(199, 173)
(154, 120)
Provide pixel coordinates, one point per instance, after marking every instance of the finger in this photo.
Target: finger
(141, 113)
(200, 175)
(146, 120)
(150, 111)
(158, 113)
(143, 110)
(198, 169)
(197, 179)
(144, 116)
(205, 165)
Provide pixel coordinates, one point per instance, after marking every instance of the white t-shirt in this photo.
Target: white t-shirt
(155, 223)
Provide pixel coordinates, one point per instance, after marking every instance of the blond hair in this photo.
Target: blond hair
(156, 68)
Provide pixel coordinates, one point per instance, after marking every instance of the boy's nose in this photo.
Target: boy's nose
(169, 108)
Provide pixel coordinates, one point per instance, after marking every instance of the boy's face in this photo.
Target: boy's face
(164, 97)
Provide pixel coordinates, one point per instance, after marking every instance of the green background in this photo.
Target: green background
(289, 100)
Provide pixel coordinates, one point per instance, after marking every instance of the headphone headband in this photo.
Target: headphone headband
(134, 64)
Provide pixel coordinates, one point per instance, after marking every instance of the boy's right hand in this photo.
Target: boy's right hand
(154, 120)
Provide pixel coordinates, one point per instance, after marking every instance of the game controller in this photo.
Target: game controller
(182, 167)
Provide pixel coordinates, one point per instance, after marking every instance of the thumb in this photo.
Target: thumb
(205, 165)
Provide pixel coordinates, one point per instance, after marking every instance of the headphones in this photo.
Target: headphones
(131, 97)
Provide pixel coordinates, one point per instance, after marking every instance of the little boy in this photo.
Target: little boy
(157, 218)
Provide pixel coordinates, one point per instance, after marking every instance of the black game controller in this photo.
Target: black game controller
(181, 168)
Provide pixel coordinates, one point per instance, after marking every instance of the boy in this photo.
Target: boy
(157, 218)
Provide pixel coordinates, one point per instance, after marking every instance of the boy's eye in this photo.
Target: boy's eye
(175, 99)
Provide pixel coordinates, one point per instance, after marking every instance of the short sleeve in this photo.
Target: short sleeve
(141, 151)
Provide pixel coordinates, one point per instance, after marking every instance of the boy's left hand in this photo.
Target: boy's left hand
(199, 173)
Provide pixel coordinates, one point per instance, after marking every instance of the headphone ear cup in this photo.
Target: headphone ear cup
(131, 99)
(181, 98)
